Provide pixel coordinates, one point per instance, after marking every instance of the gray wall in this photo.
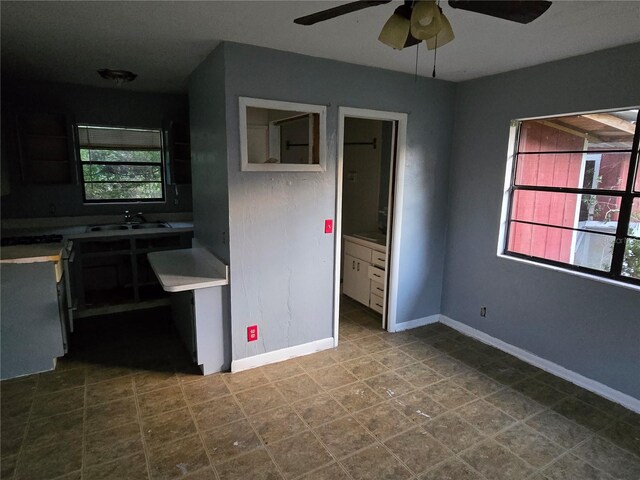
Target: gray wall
(209, 154)
(586, 326)
(281, 261)
(101, 106)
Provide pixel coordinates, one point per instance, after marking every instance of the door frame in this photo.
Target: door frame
(393, 256)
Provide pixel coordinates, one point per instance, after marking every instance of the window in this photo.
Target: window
(121, 164)
(574, 194)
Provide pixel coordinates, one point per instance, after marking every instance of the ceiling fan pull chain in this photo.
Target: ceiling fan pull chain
(415, 78)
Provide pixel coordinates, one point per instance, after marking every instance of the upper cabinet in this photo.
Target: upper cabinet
(46, 148)
(179, 152)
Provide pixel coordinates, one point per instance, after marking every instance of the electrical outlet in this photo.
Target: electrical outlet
(252, 333)
(483, 311)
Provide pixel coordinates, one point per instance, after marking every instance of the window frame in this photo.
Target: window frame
(626, 195)
(161, 165)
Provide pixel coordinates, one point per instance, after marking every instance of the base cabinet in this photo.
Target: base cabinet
(356, 282)
(363, 273)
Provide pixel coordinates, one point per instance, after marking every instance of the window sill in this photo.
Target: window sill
(635, 288)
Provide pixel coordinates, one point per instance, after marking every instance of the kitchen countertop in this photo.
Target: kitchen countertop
(375, 244)
(188, 269)
(80, 231)
(43, 252)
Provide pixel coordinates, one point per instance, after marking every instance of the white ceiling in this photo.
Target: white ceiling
(164, 41)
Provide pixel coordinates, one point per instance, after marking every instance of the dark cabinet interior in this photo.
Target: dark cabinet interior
(115, 271)
(46, 148)
(180, 152)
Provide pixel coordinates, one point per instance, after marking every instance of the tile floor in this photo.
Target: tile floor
(427, 404)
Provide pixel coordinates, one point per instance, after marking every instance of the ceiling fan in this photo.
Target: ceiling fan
(418, 20)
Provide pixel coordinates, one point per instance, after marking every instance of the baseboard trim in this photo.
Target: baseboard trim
(418, 322)
(592, 385)
(281, 355)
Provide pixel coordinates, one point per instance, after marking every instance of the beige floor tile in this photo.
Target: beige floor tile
(485, 417)
(213, 386)
(420, 350)
(54, 381)
(393, 358)
(495, 462)
(344, 436)
(59, 429)
(11, 438)
(570, 467)
(109, 390)
(111, 444)
(446, 365)
(453, 469)
(8, 466)
(383, 420)
(418, 450)
(529, 445)
(167, 427)
(49, 461)
(419, 375)
(558, 429)
(132, 468)
(111, 414)
(538, 391)
(277, 424)
(373, 344)
(316, 361)
(624, 436)
(61, 401)
(332, 377)
(319, 410)
(477, 383)
(607, 457)
(449, 394)
(255, 465)
(231, 440)
(389, 385)
(149, 380)
(161, 401)
(514, 404)
(364, 367)
(375, 463)
(453, 432)
(356, 397)
(418, 406)
(259, 399)
(216, 412)
(176, 459)
(207, 473)
(331, 472)
(298, 388)
(346, 351)
(583, 414)
(299, 454)
(282, 370)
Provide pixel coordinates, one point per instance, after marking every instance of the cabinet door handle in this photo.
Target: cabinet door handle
(358, 266)
(376, 275)
(353, 267)
(378, 305)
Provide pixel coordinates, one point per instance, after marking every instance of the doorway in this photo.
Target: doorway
(371, 151)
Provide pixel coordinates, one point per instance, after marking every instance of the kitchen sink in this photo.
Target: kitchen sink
(107, 228)
(136, 226)
(128, 226)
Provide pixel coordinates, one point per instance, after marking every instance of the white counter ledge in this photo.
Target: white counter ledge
(188, 269)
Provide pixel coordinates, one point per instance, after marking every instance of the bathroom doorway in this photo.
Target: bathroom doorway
(371, 146)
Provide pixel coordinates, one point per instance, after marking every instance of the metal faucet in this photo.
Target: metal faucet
(128, 217)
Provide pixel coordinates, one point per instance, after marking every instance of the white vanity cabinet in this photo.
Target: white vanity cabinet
(364, 272)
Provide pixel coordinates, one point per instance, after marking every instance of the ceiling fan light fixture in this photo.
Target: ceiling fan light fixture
(426, 19)
(118, 76)
(396, 32)
(444, 36)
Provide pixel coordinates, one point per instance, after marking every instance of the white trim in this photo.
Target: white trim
(321, 110)
(394, 252)
(551, 367)
(281, 355)
(418, 322)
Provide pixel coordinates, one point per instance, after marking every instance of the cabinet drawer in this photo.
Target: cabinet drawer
(379, 259)
(377, 288)
(376, 274)
(358, 251)
(376, 303)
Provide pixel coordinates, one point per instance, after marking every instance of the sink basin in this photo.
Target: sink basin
(107, 228)
(136, 226)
